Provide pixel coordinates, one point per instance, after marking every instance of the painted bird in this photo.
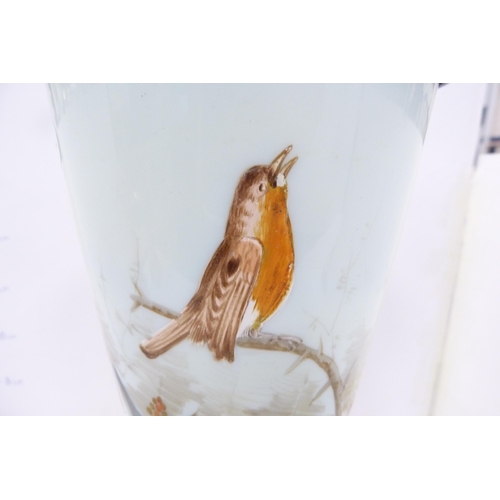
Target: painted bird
(250, 273)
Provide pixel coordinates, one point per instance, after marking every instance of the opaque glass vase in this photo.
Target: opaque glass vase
(239, 237)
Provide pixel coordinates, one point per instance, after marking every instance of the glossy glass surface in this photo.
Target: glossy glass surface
(152, 170)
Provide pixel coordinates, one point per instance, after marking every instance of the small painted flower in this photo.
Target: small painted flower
(157, 408)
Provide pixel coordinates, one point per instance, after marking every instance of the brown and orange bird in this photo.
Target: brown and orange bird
(250, 273)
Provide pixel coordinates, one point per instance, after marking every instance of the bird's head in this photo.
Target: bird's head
(261, 181)
(260, 188)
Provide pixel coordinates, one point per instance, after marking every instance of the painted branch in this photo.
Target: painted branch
(139, 300)
(274, 343)
(304, 352)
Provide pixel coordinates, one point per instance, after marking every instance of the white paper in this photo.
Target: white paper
(52, 356)
(470, 375)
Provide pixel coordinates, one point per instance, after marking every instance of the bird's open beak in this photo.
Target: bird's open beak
(277, 166)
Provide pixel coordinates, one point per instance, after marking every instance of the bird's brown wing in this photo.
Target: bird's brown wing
(214, 313)
(224, 294)
(180, 328)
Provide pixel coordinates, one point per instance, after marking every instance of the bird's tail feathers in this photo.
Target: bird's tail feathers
(167, 337)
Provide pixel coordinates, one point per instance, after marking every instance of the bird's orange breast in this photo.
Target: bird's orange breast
(276, 270)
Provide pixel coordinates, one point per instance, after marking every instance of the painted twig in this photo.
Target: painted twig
(272, 343)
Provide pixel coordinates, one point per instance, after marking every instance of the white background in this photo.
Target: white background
(355, 41)
(52, 351)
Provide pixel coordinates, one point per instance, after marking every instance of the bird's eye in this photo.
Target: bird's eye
(262, 187)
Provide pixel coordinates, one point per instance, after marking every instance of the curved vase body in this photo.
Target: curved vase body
(153, 171)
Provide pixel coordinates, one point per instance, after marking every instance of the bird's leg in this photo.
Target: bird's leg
(257, 333)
